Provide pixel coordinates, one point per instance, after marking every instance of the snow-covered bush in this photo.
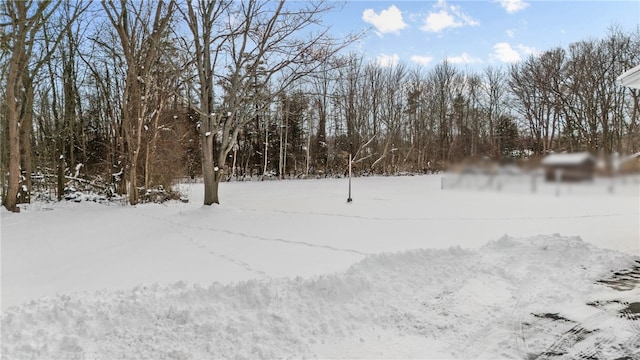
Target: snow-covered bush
(160, 195)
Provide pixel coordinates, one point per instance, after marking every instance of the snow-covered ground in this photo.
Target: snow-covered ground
(289, 269)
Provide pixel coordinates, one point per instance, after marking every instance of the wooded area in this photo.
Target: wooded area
(133, 95)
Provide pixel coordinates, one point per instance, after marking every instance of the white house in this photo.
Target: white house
(630, 78)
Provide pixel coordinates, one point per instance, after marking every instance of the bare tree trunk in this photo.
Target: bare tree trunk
(235, 158)
(26, 18)
(308, 151)
(286, 138)
(10, 200)
(4, 150)
(266, 147)
(209, 171)
(26, 125)
(60, 177)
(281, 148)
(151, 146)
(26, 160)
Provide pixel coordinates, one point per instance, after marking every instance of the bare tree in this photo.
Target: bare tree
(141, 26)
(206, 21)
(254, 39)
(322, 83)
(104, 61)
(535, 85)
(444, 81)
(494, 95)
(24, 20)
(392, 103)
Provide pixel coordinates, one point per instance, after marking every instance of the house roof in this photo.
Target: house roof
(567, 159)
(630, 78)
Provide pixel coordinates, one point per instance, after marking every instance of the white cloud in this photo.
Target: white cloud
(511, 33)
(464, 59)
(447, 17)
(513, 6)
(527, 50)
(385, 60)
(505, 53)
(422, 60)
(439, 21)
(387, 21)
(466, 19)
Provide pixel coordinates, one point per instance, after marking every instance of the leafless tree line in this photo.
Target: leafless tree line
(399, 118)
(141, 93)
(569, 100)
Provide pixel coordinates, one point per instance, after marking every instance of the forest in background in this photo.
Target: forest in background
(131, 96)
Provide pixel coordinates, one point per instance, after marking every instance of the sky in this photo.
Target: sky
(476, 34)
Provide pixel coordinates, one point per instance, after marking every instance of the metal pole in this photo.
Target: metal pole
(349, 198)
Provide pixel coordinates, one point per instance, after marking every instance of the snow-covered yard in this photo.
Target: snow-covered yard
(289, 269)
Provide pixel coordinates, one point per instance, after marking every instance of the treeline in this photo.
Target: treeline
(405, 118)
(132, 95)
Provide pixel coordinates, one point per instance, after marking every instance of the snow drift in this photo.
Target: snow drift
(490, 302)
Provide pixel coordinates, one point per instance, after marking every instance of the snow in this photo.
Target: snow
(289, 269)
(567, 158)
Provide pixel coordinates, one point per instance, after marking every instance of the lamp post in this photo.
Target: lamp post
(349, 199)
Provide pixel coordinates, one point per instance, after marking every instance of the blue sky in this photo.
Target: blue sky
(475, 34)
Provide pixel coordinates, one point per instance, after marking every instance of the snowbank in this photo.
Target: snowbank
(491, 302)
